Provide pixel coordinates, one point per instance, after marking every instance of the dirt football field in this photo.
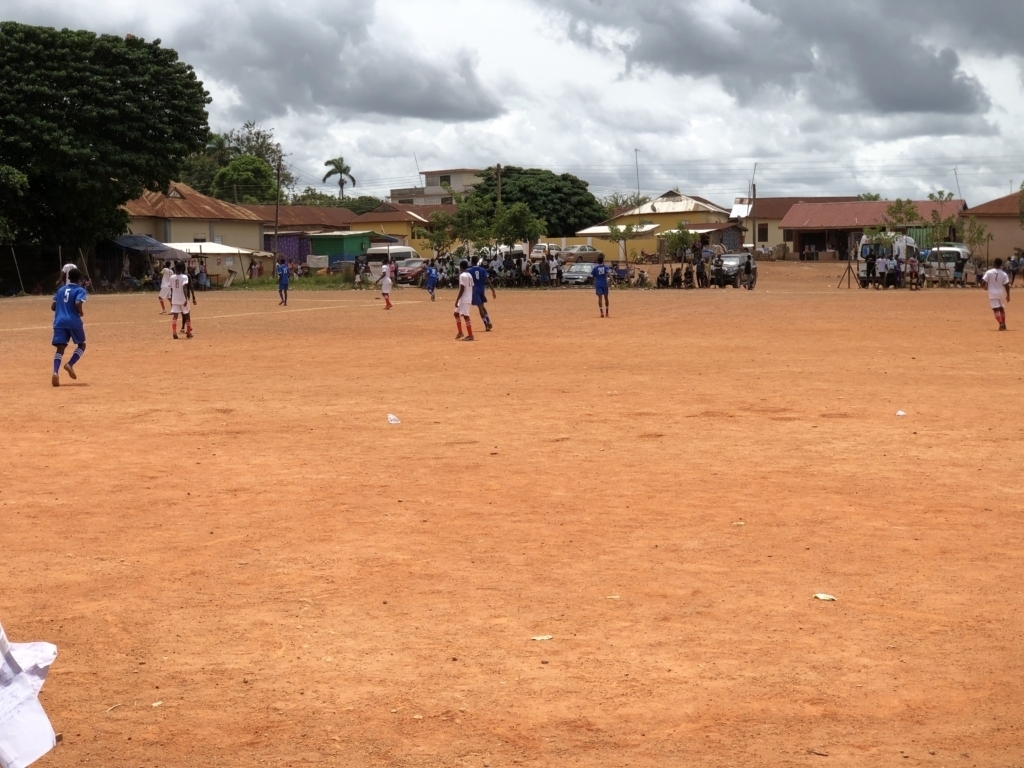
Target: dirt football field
(590, 542)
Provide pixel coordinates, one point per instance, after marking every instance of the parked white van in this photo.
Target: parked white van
(376, 254)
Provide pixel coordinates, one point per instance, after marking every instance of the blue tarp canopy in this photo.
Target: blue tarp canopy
(140, 244)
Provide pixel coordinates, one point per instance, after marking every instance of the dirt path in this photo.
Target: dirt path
(231, 527)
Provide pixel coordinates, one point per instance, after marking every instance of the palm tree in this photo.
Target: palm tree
(340, 169)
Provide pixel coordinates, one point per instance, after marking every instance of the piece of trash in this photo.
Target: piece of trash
(901, 413)
(392, 419)
(739, 523)
(613, 597)
(113, 708)
(417, 717)
(544, 637)
(816, 752)
(157, 703)
(823, 596)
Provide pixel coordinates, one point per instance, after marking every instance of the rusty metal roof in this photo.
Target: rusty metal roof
(182, 202)
(1003, 206)
(860, 214)
(778, 207)
(312, 217)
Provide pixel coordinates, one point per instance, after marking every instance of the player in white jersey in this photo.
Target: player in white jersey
(998, 284)
(464, 301)
(165, 285)
(182, 298)
(65, 272)
(385, 281)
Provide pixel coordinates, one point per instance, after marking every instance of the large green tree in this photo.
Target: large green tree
(12, 186)
(246, 179)
(91, 121)
(564, 202)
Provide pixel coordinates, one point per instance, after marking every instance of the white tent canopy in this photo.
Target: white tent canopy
(210, 249)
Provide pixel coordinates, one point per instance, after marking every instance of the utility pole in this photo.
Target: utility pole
(497, 168)
(957, 177)
(753, 205)
(636, 159)
(277, 208)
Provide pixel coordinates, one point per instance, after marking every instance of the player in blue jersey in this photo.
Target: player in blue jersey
(481, 282)
(431, 280)
(282, 282)
(68, 312)
(601, 273)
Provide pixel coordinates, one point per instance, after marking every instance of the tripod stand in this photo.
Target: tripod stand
(849, 275)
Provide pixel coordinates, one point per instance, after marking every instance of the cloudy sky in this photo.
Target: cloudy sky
(835, 97)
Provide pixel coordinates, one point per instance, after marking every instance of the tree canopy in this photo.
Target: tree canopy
(199, 169)
(563, 201)
(90, 121)
(338, 167)
(246, 179)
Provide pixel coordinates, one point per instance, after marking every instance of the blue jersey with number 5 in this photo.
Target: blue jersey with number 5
(66, 315)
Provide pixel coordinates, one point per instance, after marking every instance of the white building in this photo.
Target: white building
(461, 181)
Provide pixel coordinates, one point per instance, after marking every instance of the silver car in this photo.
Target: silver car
(579, 273)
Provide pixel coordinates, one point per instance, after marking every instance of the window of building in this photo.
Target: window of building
(447, 201)
(762, 233)
(446, 180)
(787, 235)
(406, 201)
(199, 239)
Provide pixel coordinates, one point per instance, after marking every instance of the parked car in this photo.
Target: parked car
(411, 270)
(578, 274)
(576, 253)
(544, 251)
(732, 266)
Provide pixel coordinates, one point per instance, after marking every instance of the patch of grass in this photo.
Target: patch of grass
(311, 283)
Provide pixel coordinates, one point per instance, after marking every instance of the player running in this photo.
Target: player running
(600, 273)
(464, 301)
(165, 285)
(481, 282)
(282, 282)
(385, 283)
(67, 308)
(431, 280)
(181, 292)
(997, 282)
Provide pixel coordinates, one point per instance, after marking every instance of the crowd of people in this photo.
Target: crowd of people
(912, 272)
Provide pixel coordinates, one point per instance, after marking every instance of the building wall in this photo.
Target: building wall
(189, 231)
(147, 226)
(1006, 235)
(239, 234)
(401, 229)
(775, 232)
(666, 221)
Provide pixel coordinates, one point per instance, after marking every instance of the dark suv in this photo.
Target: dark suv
(732, 266)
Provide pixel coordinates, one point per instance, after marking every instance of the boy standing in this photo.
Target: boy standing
(464, 301)
(481, 282)
(600, 275)
(165, 285)
(998, 286)
(181, 290)
(282, 282)
(385, 283)
(431, 280)
(68, 312)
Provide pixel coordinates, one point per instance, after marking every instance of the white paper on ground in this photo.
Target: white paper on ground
(25, 731)
(392, 419)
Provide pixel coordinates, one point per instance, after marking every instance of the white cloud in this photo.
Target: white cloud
(826, 97)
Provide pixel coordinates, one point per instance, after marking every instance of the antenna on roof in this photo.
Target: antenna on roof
(957, 177)
(416, 159)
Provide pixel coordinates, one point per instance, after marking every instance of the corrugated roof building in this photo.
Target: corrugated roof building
(183, 215)
(833, 230)
(1002, 219)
